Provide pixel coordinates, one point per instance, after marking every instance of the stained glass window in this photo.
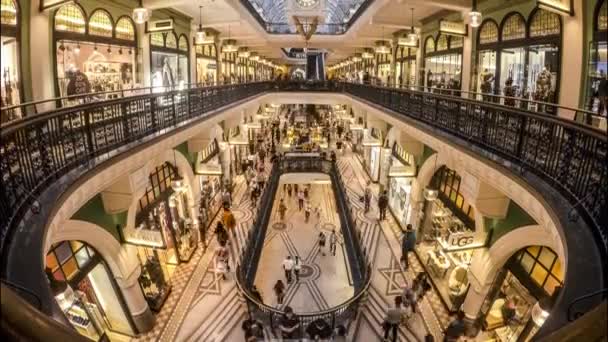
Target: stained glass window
(8, 12)
(125, 29)
(543, 266)
(70, 18)
(157, 39)
(171, 40)
(199, 49)
(488, 33)
(67, 258)
(429, 45)
(183, 43)
(602, 17)
(100, 24)
(544, 23)
(442, 43)
(160, 180)
(514, 27)
(456, 42)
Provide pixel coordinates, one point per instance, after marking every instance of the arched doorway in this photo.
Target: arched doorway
(86, 292)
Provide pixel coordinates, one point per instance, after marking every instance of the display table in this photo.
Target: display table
(439, 265)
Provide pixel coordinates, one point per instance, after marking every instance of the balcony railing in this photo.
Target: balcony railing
(357, 257)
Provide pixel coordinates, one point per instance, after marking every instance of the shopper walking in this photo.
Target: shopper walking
(367, 197)
(259, 178)
(297, 267)
(408, 242)
(392, 320)
(289, 190)
(279, 290)
(289, 325)
(307, 210)
(288, 265)
(229, 221)
(220, 233)
(282, 210)
(222, 255)
(382, 205)
(256, 294)
(455, 329)
(321, 240)
(300, 200)
(333, 241)
(227, 198)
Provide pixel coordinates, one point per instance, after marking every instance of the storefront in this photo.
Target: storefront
(448, 238)
(443, 62)
(519, 58)
(597, 68)
(383, 61)
(406, 66)
(522, 295)
(164, 232)
(229, 67)
(86, 291)
(206, 64)
(94, 55)
(402, 171)
(209, 168)
(372, 145)
(169, 60)
(10, 88)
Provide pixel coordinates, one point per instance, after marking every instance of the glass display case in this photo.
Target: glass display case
(10, 76)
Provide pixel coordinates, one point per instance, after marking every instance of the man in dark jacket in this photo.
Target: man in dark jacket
(383, 204)
(408, 242)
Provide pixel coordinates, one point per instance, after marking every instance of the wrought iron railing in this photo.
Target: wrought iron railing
(357, 257)
(36, 150)
(569, 156)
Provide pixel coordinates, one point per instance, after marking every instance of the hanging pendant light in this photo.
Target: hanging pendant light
(412, 36)
(141, 14)
(200, 35)
(243, 52)
(229, 45)
(368, 54)
(382, 46)
(475, 16)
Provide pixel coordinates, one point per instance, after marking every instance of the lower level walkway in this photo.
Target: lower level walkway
(325, 279)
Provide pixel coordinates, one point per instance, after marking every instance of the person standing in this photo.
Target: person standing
(229, 221)
(227, 198)
(392, 320)
(333, 241)
(455, 329)
(221, 260)
(307, 210)
(408, 243)
(255, 293)
(289, 190)
(260, 179)
(367, 197)
(289, 324)
(382, 205)
(220, 233)
(297, 267)
(282, 210)
(279, 290)
(321, 240)
(300, 200)
(288, 267)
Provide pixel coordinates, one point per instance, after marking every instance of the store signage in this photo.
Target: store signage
(78, 84)
(453, 28)
(460, 240)
(557, 6)
(159, 25)
(48, 4)
(405, 41)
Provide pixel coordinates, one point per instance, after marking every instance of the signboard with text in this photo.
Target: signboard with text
(453, 28)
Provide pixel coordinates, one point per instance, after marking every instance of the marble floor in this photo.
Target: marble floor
(325, 278)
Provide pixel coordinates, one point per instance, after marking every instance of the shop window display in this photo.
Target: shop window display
(206, 64)
(85, 290)
(9, 59)
(169, 64)
(100, 59)
(402, 171)
(443, 62)
(209, 169)
(597, 66)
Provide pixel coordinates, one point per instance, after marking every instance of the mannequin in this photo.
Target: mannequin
(543, 85)
(509, 91)
(167, 74)
(486, 78)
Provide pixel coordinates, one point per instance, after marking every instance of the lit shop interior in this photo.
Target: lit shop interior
(169, 60)
(522, 60)
(523, 294)
(405, 74)
(208, 167)
(165, 233)
(206, 64)
(372, 146)
(598, 59)
(443, 61)
(86, 291)
(402, 172)
(448, 238)
(10, 74)
(98, 55)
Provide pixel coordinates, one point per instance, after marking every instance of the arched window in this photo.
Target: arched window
(513, 27)
(70, 18)
(183, 43)
(543, 266)
(429, 45)
(488, 33)
(8, 12)
(413, 51)
(66, 259)
(199, 49)
(157, 39)
(100, 24)
(544, 23)
(171, 40)
(442, 43)
(125, 29)
(602, 17)
(456, 42)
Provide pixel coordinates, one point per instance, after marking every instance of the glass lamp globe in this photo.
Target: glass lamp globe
(475, 18)
(200, 36)
(140, 15)
(430, 194)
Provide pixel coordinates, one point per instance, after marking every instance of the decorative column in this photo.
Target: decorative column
(42, 74)
(572, 71)
(465, 73)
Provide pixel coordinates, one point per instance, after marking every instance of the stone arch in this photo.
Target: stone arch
(185, 170)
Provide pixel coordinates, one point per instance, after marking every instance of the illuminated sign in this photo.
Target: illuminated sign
(48, 4)
(557, 6)
(159, 25)
(453, 28)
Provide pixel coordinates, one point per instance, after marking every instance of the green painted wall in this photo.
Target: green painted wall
(183, 149)
(516, 217)
(94, 212)
(426, 153)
